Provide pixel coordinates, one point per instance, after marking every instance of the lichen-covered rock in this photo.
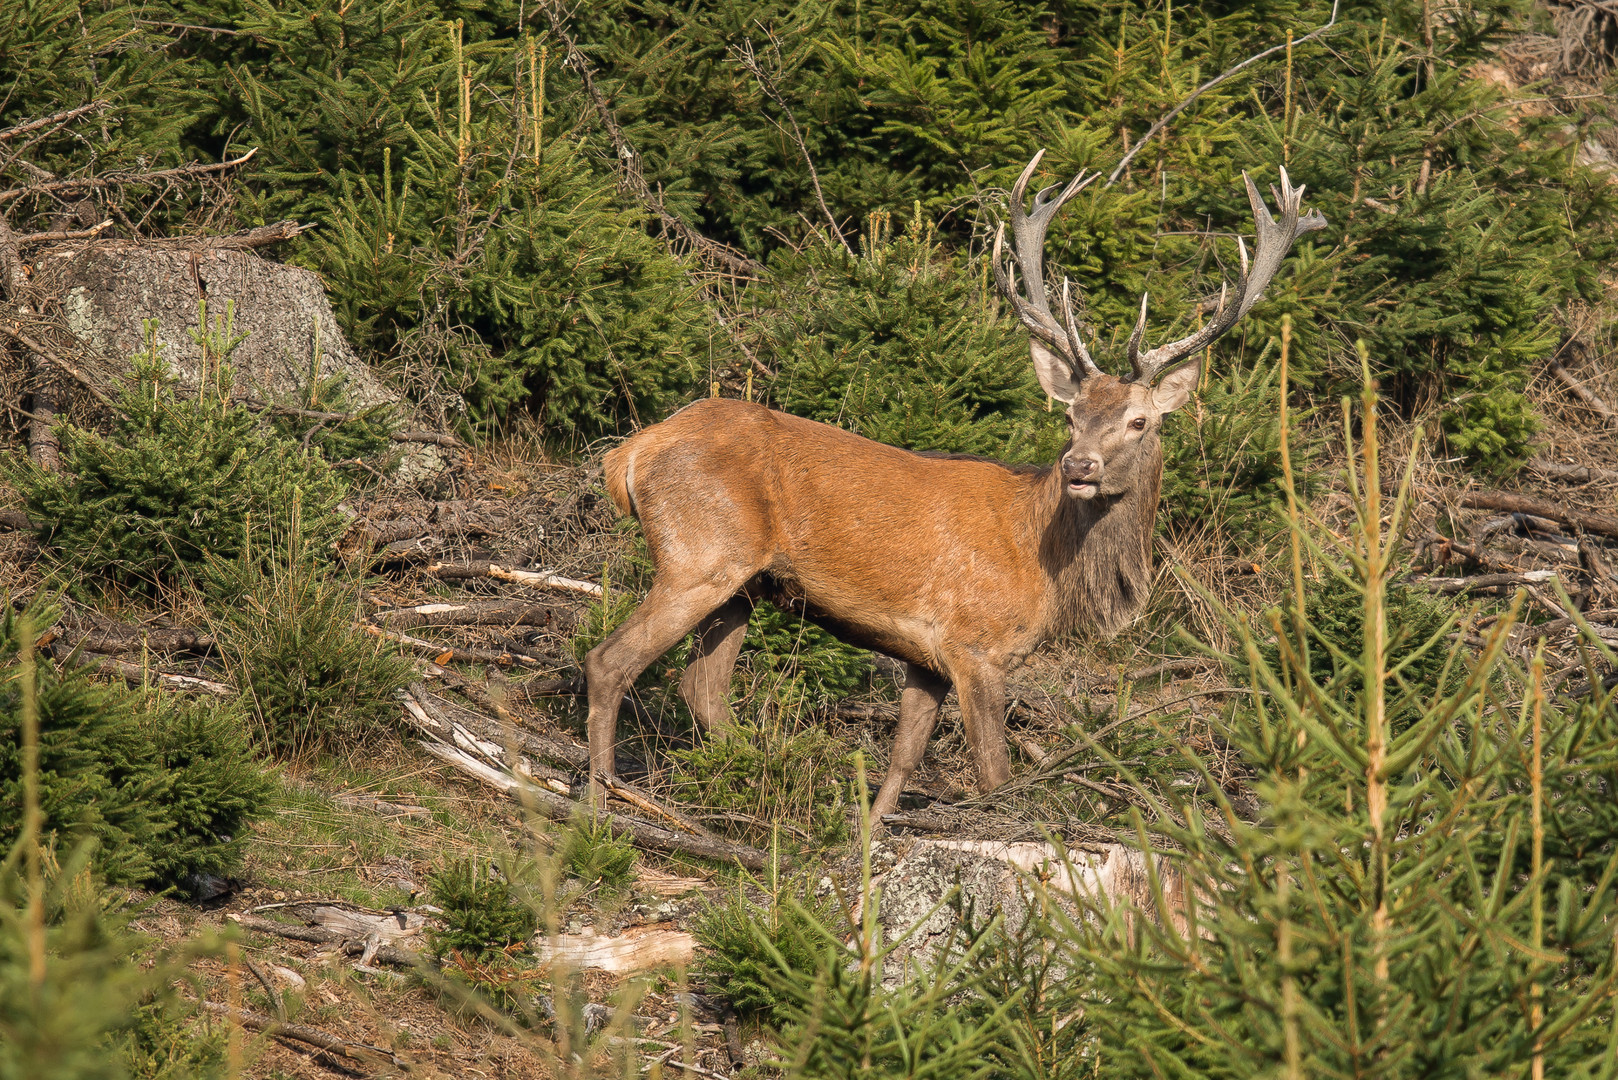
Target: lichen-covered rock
(106, 291)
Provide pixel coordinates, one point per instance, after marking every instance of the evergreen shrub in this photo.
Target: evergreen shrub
(776, 770)
(482, 915)
(289, 634)
(104, 1010)
(165, 788)
(174, 483)
(591, 853)
(749, 945)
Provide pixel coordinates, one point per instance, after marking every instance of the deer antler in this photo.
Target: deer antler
(1273, 240)
(1028, 233)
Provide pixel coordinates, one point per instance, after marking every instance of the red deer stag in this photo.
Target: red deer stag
(958, 566)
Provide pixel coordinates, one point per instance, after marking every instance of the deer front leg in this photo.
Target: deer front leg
(981, 689)
(918, 711)
(705, 686)
(666, 615)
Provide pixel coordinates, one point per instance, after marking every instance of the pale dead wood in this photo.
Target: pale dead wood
(63, 117)
(136, 675)
(1583, 474)
(382, 806)
(1171, 667)
(1190, 99)
(533, 579)
(642, 801)
(626, 954)
(504, 613)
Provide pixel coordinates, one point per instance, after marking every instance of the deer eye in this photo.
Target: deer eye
(1139, 423)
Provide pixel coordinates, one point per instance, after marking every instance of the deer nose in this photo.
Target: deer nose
(1087, 467)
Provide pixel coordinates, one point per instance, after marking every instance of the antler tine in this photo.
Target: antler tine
(1073, 337)
(1028, 240)
(1272, 240)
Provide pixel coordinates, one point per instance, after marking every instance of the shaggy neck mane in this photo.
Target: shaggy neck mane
(1097, 553)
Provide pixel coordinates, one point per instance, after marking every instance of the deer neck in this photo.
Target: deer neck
(1097, 554)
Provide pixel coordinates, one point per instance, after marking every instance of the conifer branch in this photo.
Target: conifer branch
(1163, 121)
(631, 178)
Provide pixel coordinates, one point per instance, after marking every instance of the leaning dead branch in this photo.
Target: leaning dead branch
(533, 579)
(1577, 388)
(475, 758)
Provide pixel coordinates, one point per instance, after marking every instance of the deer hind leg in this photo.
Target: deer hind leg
(982, 692)
(666, 615)
(705, 686)
(918, 711)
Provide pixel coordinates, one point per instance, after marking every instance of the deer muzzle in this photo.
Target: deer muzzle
(1083, 473)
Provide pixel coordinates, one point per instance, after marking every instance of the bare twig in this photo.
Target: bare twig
(533, 579)
(64, 234)
(305, 1034)
(749, 60)
(92, 183)
(1163, 121)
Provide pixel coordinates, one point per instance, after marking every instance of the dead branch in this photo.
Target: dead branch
(305, 1034)
(1582, 474)
(503, 613)
(1525, 504)
(61, 362)
(17, 521)
(111, 637)
(93, 183)
(1209, 85)
(749, 60)
(245, 240)
(1170, 667)
(64, 234)
(1583, 393)
(489, 768)
(642, 801)
(63, 117)
(1445, 550)
(533, 579)
(451, 723)
(1526, 579)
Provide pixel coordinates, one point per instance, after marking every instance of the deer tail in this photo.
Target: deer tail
(618, 470)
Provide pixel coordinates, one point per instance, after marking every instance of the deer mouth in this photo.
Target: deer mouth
(1083, 489)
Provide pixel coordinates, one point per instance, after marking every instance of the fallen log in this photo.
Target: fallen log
(136, 675)
(532, 578)
(1604, 524)
(503, 613)
(111, 637)
(452, 654)
(549, 804)
(450, 723)
(303, 1033)
(17, 521)
(1486, 581)
(626, 954)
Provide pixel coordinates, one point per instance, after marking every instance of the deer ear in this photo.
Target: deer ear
(1175, 388)
(1054, 374)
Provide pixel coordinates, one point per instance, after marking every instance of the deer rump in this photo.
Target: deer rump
(870, 542)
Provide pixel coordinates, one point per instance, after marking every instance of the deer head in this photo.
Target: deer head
(1113, 421)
